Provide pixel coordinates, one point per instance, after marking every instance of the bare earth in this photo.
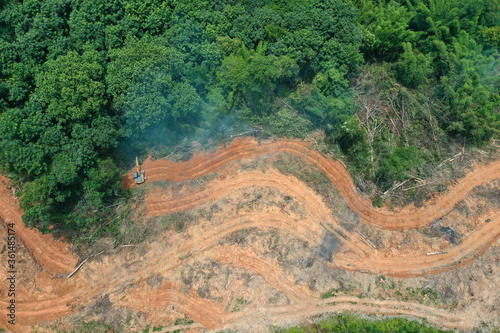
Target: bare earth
(257, 247)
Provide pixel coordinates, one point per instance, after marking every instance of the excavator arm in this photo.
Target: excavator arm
(139, 175)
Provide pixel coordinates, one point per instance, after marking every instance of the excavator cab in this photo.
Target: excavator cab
(139, 175)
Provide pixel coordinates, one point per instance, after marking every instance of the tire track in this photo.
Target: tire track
(159, 203)
(211, 315)
(271, 273)
(91, 283)
(406, 218)
(58, 307)
(203, 311)
(163, 202)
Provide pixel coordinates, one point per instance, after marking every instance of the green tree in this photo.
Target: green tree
(58, 138)
(251, 77)
(413, 70)
(472, 110)
(100, 24)
(397, 164)
(35, 31)
(385, 27)
(151, 16)
(146, 82)
(71, 87)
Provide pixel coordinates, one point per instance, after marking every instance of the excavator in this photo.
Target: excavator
(139, 175)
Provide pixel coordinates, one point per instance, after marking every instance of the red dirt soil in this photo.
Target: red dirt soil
(53, 255)
(406, 218)
(107, 277)
(163, 202)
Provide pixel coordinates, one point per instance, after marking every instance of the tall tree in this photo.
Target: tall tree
(146, 82)
(59, 136)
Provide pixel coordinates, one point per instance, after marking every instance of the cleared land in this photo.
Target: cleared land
(260, 248)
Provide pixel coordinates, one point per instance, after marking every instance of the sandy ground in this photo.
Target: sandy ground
(262, 248)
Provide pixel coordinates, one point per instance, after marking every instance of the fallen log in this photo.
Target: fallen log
(434, 253)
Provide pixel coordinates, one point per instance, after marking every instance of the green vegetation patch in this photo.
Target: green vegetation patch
(87, 85)
(346, 323)
(184, 321)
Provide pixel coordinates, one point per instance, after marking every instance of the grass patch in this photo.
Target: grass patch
(331, 293)
(388, 288)
(241, 301)
(348, 289)
(184, 321)
(348, 322)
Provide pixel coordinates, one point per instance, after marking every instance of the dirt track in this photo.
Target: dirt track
(165, 202)
(409, 217)
(204, 240)
(53, 255)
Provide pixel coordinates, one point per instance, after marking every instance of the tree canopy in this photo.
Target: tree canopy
(82, 79)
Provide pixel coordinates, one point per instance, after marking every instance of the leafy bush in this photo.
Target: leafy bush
(354, 323)
(399, 163)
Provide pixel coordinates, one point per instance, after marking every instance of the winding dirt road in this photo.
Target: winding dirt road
(111, 276)
(406, 218)
(164, 202)
(53, 255)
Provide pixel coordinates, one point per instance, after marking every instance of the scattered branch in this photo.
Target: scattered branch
(420, 185)
(453, 158)
(434, 253)
(77, 268)
(396, 186)
(81, 264)
(366, 239)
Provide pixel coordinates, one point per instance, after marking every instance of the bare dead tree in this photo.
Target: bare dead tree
(370, 114)
(397, 101)
(369, 117)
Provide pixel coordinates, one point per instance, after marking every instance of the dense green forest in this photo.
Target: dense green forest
(87, 84)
